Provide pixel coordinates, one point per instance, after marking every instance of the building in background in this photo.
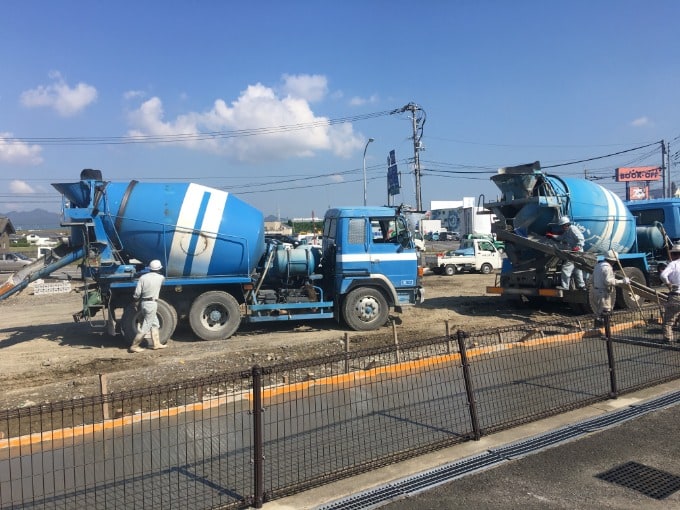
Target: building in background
(6, 230)
(461, 216)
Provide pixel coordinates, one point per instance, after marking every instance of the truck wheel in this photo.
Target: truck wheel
(450, 270)
(486, 268)
(624, 297)
(214, 315)
(591, 302)
(365, 309)
(132, 320)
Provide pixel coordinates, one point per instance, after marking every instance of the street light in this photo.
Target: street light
(365, 148)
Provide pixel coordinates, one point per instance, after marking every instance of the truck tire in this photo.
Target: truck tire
(486, 268)
(132, 321)
(365, 309)
(591, 303)
(450, 270)
(625, 299)
(214, 315)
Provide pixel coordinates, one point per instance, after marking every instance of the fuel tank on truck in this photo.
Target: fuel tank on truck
(195, 230)
(533, 201)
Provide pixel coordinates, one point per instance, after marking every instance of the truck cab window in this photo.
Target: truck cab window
(390, 231)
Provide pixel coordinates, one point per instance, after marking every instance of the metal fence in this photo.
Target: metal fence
(242, 439)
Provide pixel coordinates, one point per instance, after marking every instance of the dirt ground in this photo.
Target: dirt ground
(46, 357)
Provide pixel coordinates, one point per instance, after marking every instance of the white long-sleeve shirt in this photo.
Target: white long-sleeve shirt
(149, 286)
(572, 237)
(671, 275)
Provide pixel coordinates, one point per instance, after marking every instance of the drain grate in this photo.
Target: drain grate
(651, 482)
(647, 480)
(373, 498)
(613, 418)
(521, 449)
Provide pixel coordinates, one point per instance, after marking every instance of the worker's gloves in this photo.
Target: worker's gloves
(576, 248)
(137, 305)
(625, 280)
(549, 234)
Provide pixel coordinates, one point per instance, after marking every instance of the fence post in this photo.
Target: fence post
(396, 341)
(613, 388)
(104, 391)
(468, 386)
(258, 441)
(347, 353)
(448, 337)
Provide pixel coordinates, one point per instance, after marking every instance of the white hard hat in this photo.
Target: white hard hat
(564, 220)
(155, 265)
(610, 255)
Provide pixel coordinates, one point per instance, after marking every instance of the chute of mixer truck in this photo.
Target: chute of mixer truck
(529, 207)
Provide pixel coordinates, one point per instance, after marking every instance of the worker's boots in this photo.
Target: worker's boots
(135, 346)
(156, 339)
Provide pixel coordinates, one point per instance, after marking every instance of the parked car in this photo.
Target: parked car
(500, 245)
(419, 241)
(281, 239)
(13, 262)
(449, 236)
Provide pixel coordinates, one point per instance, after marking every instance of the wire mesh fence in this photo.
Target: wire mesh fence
(238, 440)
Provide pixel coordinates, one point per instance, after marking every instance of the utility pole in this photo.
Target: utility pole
(417, 123)
(669, 170)
(666, 182)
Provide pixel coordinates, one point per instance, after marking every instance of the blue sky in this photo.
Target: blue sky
(498, 83)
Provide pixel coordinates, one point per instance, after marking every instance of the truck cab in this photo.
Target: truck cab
(373, 261)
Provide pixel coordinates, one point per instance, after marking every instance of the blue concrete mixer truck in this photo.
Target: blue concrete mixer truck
(219, 270)
(530, 206)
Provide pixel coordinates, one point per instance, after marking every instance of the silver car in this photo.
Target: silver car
(13, 262)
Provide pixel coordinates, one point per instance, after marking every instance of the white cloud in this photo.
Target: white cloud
(16, 152)
(360, 101)
(282, 126)
(22, 187)
(66, 100)
(133, 94)
(641, 122)
(311, 88)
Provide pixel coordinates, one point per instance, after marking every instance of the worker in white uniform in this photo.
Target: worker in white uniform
(671, 277)
(604, 283)
(572, 237)
(146, 299)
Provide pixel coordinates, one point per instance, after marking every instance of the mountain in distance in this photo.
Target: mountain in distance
(272, 217)
(37, 219)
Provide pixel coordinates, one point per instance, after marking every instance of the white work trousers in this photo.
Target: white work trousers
(604, 300)
(568, 269)
(149, 309)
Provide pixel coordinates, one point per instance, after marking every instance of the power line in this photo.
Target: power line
(190, 137)
(601, 157)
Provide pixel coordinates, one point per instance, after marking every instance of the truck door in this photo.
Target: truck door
(391, 251)
(487, 252)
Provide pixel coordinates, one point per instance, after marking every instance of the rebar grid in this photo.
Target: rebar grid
(195, 444)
